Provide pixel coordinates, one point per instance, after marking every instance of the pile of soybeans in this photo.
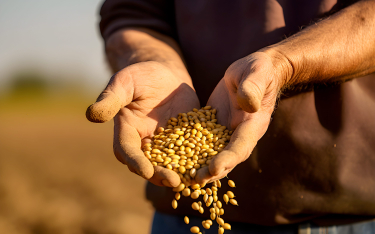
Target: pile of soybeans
(188, 143)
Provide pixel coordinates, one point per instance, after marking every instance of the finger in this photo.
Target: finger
(117, 94)
(238, 150)
(165, 177)
(132, 170)
(204, 175)
(127, 148)
(119, 158)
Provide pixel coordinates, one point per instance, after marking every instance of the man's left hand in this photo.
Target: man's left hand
(245, 99)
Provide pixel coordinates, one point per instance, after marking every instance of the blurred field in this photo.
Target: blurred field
(58, 173)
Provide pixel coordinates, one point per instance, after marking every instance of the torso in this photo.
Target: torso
(318, 155)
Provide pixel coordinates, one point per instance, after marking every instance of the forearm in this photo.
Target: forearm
(129, 46)
(337, 48)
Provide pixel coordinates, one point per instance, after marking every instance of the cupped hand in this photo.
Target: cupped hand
(245, 99)
(140, 98)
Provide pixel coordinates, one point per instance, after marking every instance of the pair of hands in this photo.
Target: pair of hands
(143, 96)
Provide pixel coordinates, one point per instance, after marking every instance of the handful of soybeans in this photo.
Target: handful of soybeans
(189, 142)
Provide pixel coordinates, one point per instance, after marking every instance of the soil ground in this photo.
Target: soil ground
(58, 173)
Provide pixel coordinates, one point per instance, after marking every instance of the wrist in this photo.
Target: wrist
(128, 46)
(180, 74)
(284, 69)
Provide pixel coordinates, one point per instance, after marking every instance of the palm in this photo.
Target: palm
(157, 97)
(229, 113)
(245, 100)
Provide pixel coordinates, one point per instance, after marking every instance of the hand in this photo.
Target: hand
(142, 97)
(245, 99)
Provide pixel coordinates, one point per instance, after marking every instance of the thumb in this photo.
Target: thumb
(117, 94)
(251, 91)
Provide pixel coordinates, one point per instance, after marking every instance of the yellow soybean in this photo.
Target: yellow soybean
(221, 211)
(179, 188)
(194, 195)
(194, 229)
(220, 221)
(201, 210)
(195, 206)
(227, 226)
(231, 183)
(208, 191)
(186, 220)
(206, 225)
(174, 204)
(182, 169)
(205, 198)
(233, 202)
(193, 172)
(209, 201)
(186, 192)
(230, 194)
(195, 186)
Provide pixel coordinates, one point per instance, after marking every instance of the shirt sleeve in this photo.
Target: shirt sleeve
(158, 15)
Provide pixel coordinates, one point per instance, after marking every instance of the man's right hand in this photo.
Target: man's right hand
(140, 98)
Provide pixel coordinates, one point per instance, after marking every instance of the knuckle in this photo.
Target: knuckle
(215, 170)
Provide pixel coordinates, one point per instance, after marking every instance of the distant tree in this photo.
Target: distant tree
(28, 84)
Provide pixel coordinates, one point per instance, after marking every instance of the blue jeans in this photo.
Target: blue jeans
(172, 224)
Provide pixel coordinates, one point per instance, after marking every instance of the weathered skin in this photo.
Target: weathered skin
(245, 97)
(318, 54)
(141, 97)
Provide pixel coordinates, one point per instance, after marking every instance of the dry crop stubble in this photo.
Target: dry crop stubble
(58, 174)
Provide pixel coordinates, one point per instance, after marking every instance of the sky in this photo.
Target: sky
(57, 38)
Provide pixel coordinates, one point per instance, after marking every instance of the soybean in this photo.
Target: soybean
(233, 202)
(174, 204)
(189, 142)
(227, 226)
(186, 192)
(220, 221)
(206, 225)
(195, 206)
(179, 188)
(195, 195)
(221, 212)
(226, 198)
(194, 229)
(230, 194)
(186, 220)
(201, 210)
(231, 183)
